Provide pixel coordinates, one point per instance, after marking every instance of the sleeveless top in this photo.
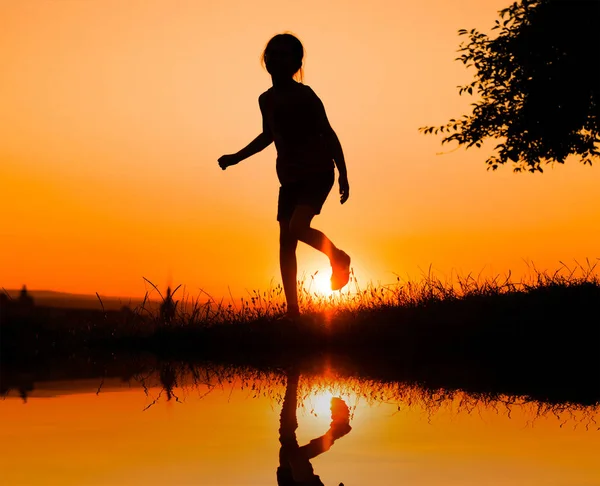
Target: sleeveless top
(296, 118)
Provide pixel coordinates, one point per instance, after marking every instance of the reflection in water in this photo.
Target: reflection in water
(294, 461)
(84, 374)
(262, 421)
(294, 468)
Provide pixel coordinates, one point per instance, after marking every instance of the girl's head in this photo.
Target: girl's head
(283, 56)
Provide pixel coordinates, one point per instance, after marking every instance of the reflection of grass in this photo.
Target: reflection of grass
(179, 381)
(539, 336)
(322, 377)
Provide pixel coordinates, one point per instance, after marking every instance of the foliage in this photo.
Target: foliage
(538, 85)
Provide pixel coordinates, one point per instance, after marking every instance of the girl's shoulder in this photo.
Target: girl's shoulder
(264, 97)
(265, 94)
(299, 91)
(306, 88)
(309, 92)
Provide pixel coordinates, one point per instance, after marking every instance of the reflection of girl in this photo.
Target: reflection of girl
(295, 468)
(307, 151)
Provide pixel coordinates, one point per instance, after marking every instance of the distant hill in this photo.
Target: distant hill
(50, 298)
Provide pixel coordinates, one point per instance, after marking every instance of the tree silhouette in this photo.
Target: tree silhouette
(539, 85)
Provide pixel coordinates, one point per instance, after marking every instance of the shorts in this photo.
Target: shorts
(309, 192)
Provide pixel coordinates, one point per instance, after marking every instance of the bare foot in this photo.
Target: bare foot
(291, 315)
(340, 418)
(340, 270)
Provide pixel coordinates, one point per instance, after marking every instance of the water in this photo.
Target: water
(220, 426)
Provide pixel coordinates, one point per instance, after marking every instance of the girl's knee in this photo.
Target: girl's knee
(298, 228)
(287, 241)
(300, 222)
(288, 246)
(285, 235)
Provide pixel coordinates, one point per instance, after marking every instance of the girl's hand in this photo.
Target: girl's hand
(344, 188)
(227, 160)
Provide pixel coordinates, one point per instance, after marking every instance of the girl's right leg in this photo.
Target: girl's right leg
(289, 266)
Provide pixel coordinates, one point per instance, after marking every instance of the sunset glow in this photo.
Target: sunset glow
(106, 438)
(170, 237)
(114, 114)
(320, 404)
(321, 284)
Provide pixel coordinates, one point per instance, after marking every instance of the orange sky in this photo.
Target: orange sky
(114, 114)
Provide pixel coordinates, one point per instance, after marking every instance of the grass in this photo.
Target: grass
(537, 337)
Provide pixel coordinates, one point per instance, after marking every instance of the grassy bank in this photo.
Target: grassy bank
(538, 338)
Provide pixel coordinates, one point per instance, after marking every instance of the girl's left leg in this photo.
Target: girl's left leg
(289, 266)
(301, 230)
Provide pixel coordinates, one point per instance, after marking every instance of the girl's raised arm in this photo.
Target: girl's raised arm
(261, 142)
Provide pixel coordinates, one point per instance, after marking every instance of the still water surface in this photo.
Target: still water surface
(224, 429)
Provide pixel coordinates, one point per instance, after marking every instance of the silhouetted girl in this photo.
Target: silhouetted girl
(307, 151)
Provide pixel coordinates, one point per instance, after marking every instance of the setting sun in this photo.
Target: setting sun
(320, 404)
(321, 284)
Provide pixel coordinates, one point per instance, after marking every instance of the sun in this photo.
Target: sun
(321, 403)
(321, 283)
